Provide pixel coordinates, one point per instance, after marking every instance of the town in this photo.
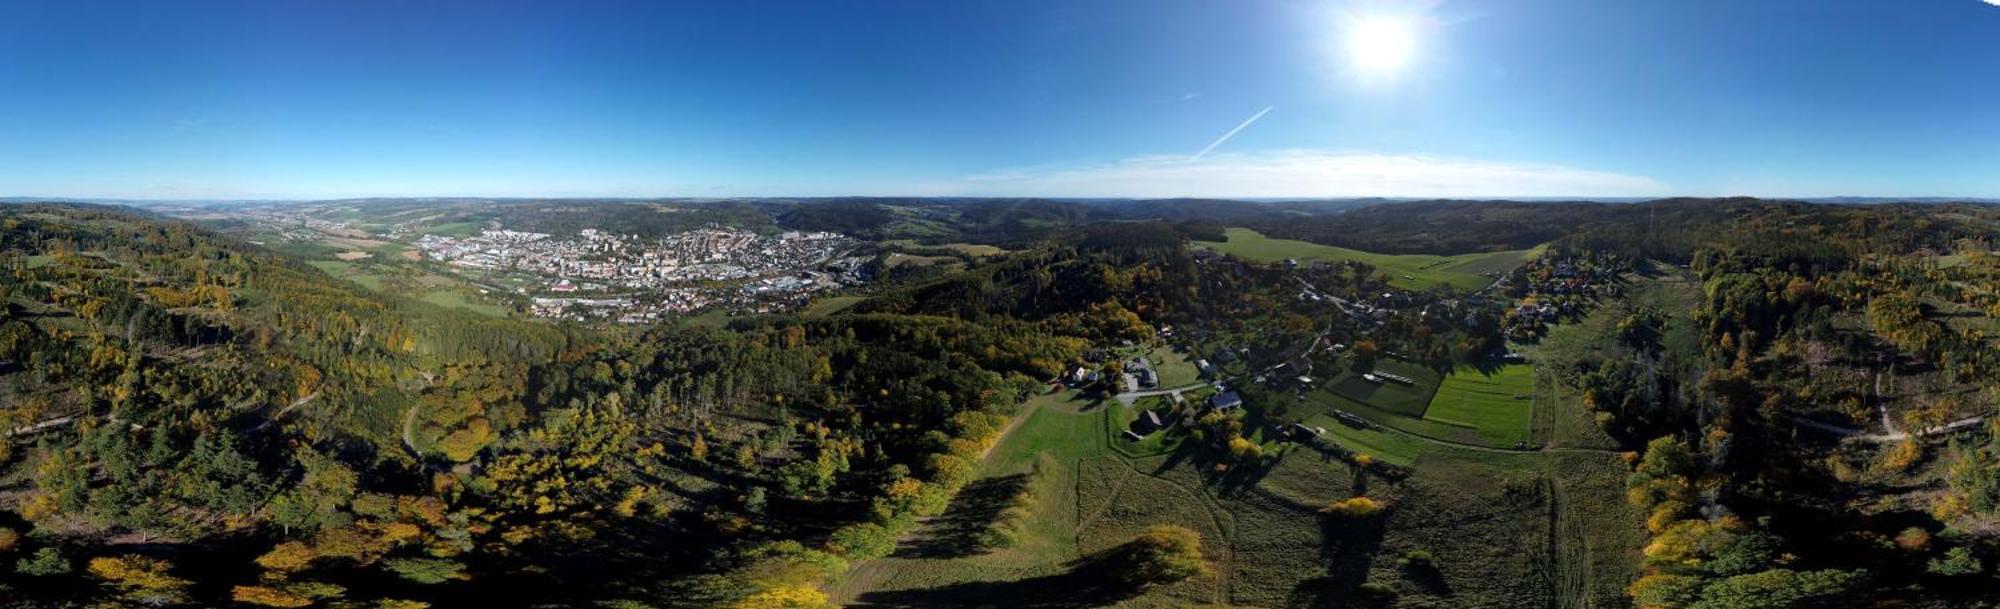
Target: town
(600, 275)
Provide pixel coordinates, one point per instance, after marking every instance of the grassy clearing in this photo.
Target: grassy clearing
(435, 289)
(1488, 518)
(830, 305)
(1487, 527)
(351, 272)
(1414, 271)
(1382, 444)
(901, 259)
(1499, 403)
(1600, 537)
(970, 249)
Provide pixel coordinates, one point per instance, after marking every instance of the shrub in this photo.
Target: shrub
(1353, 508)
(1375, 591)
(1419, 560)
(1163, 554)
(1913, 539)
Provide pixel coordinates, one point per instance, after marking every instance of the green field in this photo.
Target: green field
(1508, 529)
(830, 305)
(351, 272)
(901, 259)
(436, 289)
(1384, 445)
(1413, 271)
(1499, 403)
(1477, 410)
(970, 249)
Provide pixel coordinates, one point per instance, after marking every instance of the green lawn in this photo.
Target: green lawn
(1499, 403)
(1175, 368)
(1118, 418)
(1414, 271)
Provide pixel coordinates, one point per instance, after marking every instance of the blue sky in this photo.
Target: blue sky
(276, 98)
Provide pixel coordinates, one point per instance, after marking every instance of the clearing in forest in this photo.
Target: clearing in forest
(1410, 271)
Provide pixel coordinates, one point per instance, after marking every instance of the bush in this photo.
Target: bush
(1375, 591)
(1419, 561)
(1163, 554)
(1353, 508)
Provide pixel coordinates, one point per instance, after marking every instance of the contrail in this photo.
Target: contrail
(1232, 133)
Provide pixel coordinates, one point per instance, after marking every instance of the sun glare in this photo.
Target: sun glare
(1381, 45)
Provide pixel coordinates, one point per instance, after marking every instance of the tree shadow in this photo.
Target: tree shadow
(1087, 583)
(958, 532)
(1429, 578)
(1348, 546)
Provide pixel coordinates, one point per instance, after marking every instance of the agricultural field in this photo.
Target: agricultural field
(1498, 402)
(1493, 409)
(1411, 271)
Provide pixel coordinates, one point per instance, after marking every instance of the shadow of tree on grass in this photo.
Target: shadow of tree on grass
(958, 531)
(1089, 582)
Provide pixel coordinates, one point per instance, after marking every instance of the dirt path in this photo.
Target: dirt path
(41, 426)
(303, 400)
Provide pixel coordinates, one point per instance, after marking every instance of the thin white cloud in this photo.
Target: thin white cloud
(1304, 173)
(1232, 132)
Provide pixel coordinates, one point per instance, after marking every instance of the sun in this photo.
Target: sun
(1381, 45)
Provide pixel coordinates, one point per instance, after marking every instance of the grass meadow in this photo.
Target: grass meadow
(1507, 529)
(1412, 271)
